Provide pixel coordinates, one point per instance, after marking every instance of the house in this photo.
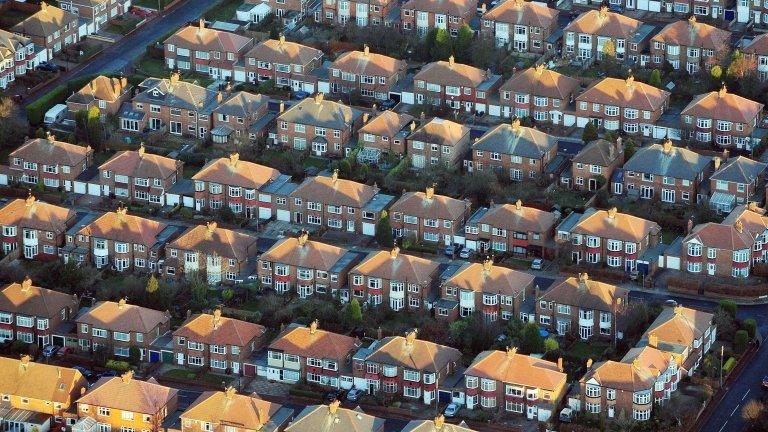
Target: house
(594, 164)
(221, 409)
(616, 104)
(438, 424)
(521, 151)
(306, 267)
(757, 49)
(408, 367)
(718, 249)
(50, 27)
(712, 9)
(723, 118)
(120, 403)
(236, 184)
(104, 93)
(32, 314)
(618, 239)
(755, 222)
(422, 15)
(54, 163)
(308, 353)
(170, 105)
(537, 92)
(121, 241)
(522, 26)
(327, 126)
(362, 14)
(342, 418)
(37, 394)
(208, 51)
(511, 228)
(285, 63)
(515, 383)
(386, 133)
(438, 141)
(395, 279)
(587, 36)
(690, 45)
(495, 291)
(221, 343)
(662, 171)
(136, 175)
(118, 326)
(217, 255)
(17, 56)
(429, 217)
(582, 306)
(455, 85)
(369, 74)
(36, 229)
(285, 9)
(240, 118)
(737, 181)
(338, 204)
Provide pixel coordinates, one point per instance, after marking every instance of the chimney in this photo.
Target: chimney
(739, 225)
(653, 340)
(440, 419)
(423, 115)
(429, 192)
(335, 176)
(583, 279)
(451, 61)
(721, 93)
(302, 238)
(636, 363)
(43, 6)
(717, 162)
(539, 69)
(394, 252)
(560, 364)
(25, 359)
(30, 201)
(282, 107)
(413, 126)
(219, 97)
(667, 146)
(752, 206)
(318, 98)
(234, 158)
(410, 337)
(589, 363)
(518, 205)
(121, 212)
(282, 39)
(365, 117)
(50, 137)
(127, 377)
(174, 77)
(141, 150)
(201, 25)
(511, 351)
(630, 81)
(612, 213)
(26, 284)
(229, 392)
(313, 326)
(123, 83)
(692, 20)
(216, 318)
(121, 303)
(487, 265)
(726, 153)
(366, 50)
(515, 124)
(334, 406)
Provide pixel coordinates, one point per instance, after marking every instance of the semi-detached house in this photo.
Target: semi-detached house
(511, 228)
(429, 217)
(737, 181)
(286, 63)
(54, 163)
(538, 93)
(587, 35)
(690, 45)
(455, 85)
(370, 74)
(723, 118)
(522, 26)
(136, 175)
(17, 56)
(35, 229)
(422, 15)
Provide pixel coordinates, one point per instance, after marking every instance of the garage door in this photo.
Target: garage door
(154, 356)
(94, 189)
(284, 215)
(265, 212)
(369, 229)
(249, 370)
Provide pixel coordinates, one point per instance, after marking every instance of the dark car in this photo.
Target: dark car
(388, 104)
(335, 395)
(47, 67)
(301, 94)
(615, 8)
(765, 382)
(85, 371)
(107, 374)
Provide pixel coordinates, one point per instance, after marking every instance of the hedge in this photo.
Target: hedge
(118, 365)
(37, 109)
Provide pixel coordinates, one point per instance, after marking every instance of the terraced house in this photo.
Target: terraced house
(240, 118)
(286, 63)
(106, 94)
(406, 366)
(520, 151)
(217, 255)
(520, 25)
(313, 355)
(322, 127)
(50, 27)
(395, 279)
(140, 176)
(370, 74)
(220, 409)
(422, 15)
(538, 93)
(207, 51)
(455, 85)
(515, 383)
(17, 56)
(511, 228)
(54, 163)
(234, 183)
(723, 118)
(495, 291)
(586, 36)
(32, 314)
(118, 326)
(306, 267)
(429, 217)
(218, 342)
(438, 141)
(34, 229)
(690, 45)
(360, 13)
(737, 181)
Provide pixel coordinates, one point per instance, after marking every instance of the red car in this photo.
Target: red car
(63, 351)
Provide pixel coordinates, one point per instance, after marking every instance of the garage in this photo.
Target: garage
(249, 370)
(369, 229)
(284, 215)
(94, 189)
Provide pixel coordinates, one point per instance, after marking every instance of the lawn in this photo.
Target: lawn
(101, 157)
(152, 4)
(122, 25)
(316, 162)
(223, 11)
(210, 378)
(149, 67)
(586, 351)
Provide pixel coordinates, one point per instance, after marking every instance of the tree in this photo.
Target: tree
(590, 133)
(550, 344)
(384, 231)
(655, 78)
(741, 65)
(716, 72)
(531, 340)
(227, 294)
(740, 340)
(353, 314)
(443, 45)
(609, 49)
(464, 44)
(152, 284)
(12, 127)
(728, 306)
(750, 325)
(134, 355)
(629, 148)
(199, 290)
(752, 411)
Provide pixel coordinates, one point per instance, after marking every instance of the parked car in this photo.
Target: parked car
(465, 253)
(354, 394)
(107, 374)
(388, 104)
(566, 415)
(765, 382)
(49, 351)
(63, 351)
(615, 8)
(537, 264)
(335, 395)
(301, 94)
(85, 371)
(670, 303)
(453, 249)
(48, 67)
(451, 410)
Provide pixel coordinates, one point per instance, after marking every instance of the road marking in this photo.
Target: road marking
(745, 394)
(721, 429)
(734, 411)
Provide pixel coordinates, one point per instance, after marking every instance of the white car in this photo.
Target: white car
(451, 410)
(537, 264)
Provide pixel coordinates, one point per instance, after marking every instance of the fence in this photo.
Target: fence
(708, 288)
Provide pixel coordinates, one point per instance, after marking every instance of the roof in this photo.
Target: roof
(514, 368)
(241, 104)
(739, 170)
(621, 376)
(335, 191)
(138, 163)
(101, 88)
(314, 342)
(758, 45)
(598, 152)
(304, 253)
(517, 140)
(227, 407)
(429, 205)
(123, 317)
(235, 172)
(539, 80)
(667, 160)
(436, 425)
(449, 72)
(722, 105)
(26, 299)
(30, 213)
(604, 23)
(387, 124)
(458, 8)
(721, 236)
(625, 93)
(586, 294)
(392, 265)
(518, 218)
(128, 394)
(752, 218)
(284, 52)
(321, 112)
(120, 226)
(12, 42)
(368, 63)
(212, 240)
(198, 37)
(324, 418)
(689, 33)
(490, 279)
(440, 131)
(522, 12)
(677, 326)
(51, 152)
(611, 224)
(45, 22)
(655, 360)
(214, 329)
(415, 354)
(45, 382)
(176, 93)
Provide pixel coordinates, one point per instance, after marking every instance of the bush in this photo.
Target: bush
(740, 341)
(729, 307)
(729, 365)
(37, 109)
(118, 365)
(750, 325)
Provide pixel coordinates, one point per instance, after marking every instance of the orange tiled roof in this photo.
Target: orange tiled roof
(491, 279)
(613, 225)
(368, 63)
(232, 171)
(393, 265)
(207, 39)
(300, 252)
(722, 105)
(30, 213)
(440, 131)
(451, 73)
(120, 226)
(585, 293)
(123, 317)
(428, 205)
(415, 354)
(621, 376)
(128, 394)
(314, 342)
(522, 12)
(514, 217)
(138, 163)
(689, 33)
(27, 379)
(604, 23)
(335, 191)
(517, 369)
(230, 408)
(101, 88)
(26, 299)
(51, 152)
(210, 239)
(540, 81)
(625, 93)
(387, 124)
(214, 329)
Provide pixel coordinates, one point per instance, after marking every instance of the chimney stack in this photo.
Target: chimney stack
(487, 265)
(518, 205)
(281, 39)
(589, 363)
(511, 351)
(653, 340)
(121, 303)
(334, 406)
(394, 252)
(365, 117)
(302, 238)
(429, 192)
(451, 61)
(127, 376)
(667, 146)
(234, 158)
(560, 364)
(26, 284)
(335, 176)
(410, 337)
(141, 150)
(717, 162)
(366, 50)
(30, 201)
(319, 98)
(313, 326)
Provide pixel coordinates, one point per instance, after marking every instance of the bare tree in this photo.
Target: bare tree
(12, 126)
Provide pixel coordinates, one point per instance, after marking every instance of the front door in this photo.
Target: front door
(592, 184)
(297, 218)
(350, 226)
(180, 358)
